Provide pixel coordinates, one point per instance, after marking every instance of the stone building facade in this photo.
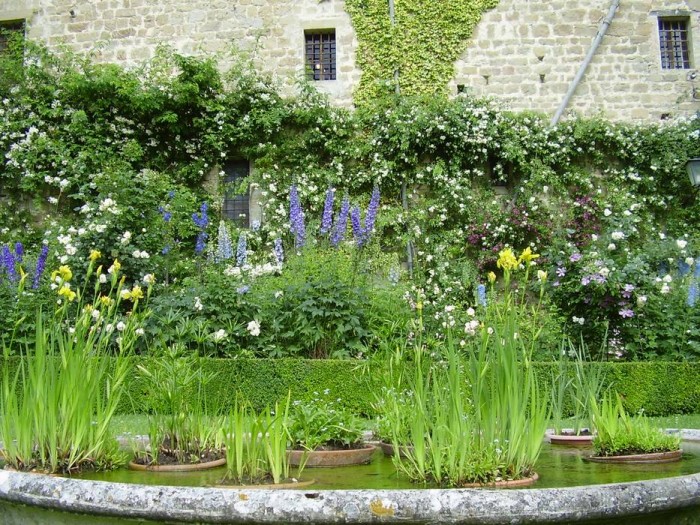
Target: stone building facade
(524, 52)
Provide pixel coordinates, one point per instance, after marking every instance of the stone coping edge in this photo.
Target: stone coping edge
(465, 506)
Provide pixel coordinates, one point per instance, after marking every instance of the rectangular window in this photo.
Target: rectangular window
(8, 28)
(320, 55)
(236, 205)
(674, 42)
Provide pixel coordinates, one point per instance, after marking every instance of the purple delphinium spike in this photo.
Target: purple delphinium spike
(8, 260)
(327, 219)
(341, 223)
(201, 219)
(200, 243)
(296, 218)
(242, 250)
(371, 216)
(683, 268)
(19, 252)
(696, 272)
(356, 226)
(40, 265)
(481, 294)
(279, 251)
(224, 248)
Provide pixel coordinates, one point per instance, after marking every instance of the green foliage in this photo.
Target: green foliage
(422, 45)
(618, 434)
(323, 422)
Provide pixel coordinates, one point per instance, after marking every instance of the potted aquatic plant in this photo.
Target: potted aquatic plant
(621, 438)
(256, 448)
(477, 414)
(181, 435)
(55, 411)
(578, 382)
(325, 434)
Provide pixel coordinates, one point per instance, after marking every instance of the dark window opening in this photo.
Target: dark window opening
(236, 206)
(9, 28)
(320, 55)
(674, 43)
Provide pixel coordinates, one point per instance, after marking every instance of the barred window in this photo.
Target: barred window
(320, 55)
(236, 205)
(674, 43)
(8, 28)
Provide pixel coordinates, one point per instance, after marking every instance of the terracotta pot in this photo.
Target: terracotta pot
(571, 440)
(655, 457)
(388, 449)
(332, 458)
(273, 486)
(178, 468)
(524, 482)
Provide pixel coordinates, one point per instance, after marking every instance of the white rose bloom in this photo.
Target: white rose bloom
(471, 312)
(103, 278)
(254, 328)
(611, 246)
(689, 261)
(681, 243)
(667, 278)
(617, 235)
(665, 289)
(121, 326)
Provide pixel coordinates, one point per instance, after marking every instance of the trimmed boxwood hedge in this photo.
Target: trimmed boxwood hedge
(659, 388)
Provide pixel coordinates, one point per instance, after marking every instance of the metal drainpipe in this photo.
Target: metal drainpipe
(582, 70)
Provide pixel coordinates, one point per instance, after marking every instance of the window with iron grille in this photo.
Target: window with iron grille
(236, 205)
(674, 43)
(8, 28)
(320, 55)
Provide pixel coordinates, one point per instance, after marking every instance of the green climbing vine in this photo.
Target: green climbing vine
(422, 45)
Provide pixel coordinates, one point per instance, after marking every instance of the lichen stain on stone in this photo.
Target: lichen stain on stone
(243, 497)
(380, 508)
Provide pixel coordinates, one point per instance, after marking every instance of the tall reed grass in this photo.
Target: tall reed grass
(55, 411)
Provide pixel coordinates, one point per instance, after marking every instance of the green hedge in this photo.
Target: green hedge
(660, 388)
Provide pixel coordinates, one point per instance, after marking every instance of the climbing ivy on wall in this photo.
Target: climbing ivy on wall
(423, 44)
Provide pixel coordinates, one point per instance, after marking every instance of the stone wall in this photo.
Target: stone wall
(528, 51)
(128, 31)
(525, 52)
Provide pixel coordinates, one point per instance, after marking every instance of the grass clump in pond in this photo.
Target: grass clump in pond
(619, 434)
(55, 411)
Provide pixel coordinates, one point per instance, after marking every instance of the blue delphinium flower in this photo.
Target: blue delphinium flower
(683, 268)
(8, 261)
(481, 294)
(224, 248)
(241, 290)
(201, 242)
(296, 218)
(19, 252)
(327, 218)
(242, 250)
(40, 265)
(696, 272)
(341, 223)
(692, 293)
(201, 220)
(356, 226)
(279, 251)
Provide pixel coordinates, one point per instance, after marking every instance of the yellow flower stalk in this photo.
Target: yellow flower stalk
(542, 275)
(491, 277)
(136, 293)
(506, 260)
(66, 292)
(64, 273)
(527, 256)
(94, 255)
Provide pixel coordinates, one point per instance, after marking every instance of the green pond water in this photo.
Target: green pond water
(557, 467)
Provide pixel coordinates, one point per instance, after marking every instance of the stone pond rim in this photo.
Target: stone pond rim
(215, 505)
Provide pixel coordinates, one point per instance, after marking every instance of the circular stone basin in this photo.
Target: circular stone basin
(637, 498)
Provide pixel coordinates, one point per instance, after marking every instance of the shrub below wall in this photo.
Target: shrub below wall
(659, 388)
